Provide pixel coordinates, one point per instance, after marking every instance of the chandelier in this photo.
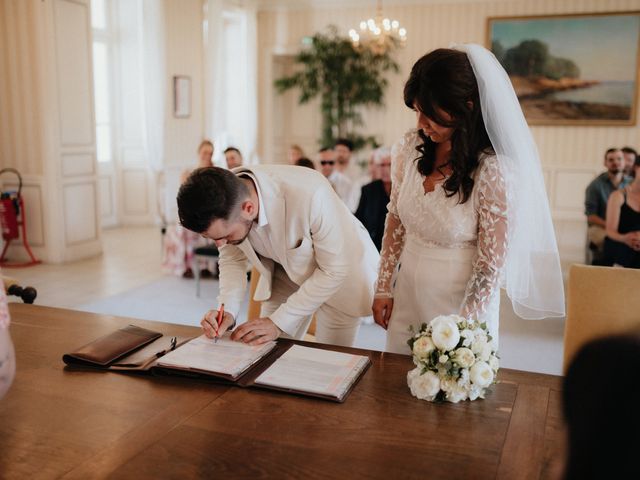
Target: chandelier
(379, 34)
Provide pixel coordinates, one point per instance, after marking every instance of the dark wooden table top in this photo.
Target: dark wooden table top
(61, 423)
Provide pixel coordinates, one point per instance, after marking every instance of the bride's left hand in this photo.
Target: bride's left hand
(382, 308)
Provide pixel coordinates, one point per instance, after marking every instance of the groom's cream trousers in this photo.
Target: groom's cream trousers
(333, 326)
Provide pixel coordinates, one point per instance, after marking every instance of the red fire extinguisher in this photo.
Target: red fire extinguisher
(12, 217)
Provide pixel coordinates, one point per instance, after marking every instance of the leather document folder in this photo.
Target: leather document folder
(128, 348)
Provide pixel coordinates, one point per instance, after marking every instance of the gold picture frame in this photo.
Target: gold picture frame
(574, 69)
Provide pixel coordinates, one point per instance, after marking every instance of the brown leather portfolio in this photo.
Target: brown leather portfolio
(129, 348)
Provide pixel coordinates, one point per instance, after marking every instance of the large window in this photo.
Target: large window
(101, 83)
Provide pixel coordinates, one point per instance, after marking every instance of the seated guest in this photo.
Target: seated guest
(340, 182)
(7, 354)
(179, 243)
(373, 172)
(372, 209)
(622, 244)
(348, 166)
(295, 154)
(600, 400)
(629, 160)
(233, 157)
(343, 149)
(305, 162)
(598, 193)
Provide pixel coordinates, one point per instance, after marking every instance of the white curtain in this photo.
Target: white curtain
(154, 85)
(251, 107)
(231, 78)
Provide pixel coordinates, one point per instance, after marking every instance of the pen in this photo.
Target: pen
(219, 320)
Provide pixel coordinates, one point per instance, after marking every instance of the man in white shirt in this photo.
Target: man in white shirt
(342, 184)
(343, 149)
(233, 157)
(312, 254)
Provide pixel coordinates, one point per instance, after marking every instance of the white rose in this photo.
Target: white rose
(493, 363)
(445, 334)
(456, 394)
(481, 336)
(424, 387)
(468, 337)
(475, 392)
(481, 374)
(443, 358)
(464, 357)
(486, 352)
(464, 377)
(422, 347)
(448, 384)
(479, 343)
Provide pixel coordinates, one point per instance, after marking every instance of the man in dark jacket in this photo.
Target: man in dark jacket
(372, 209)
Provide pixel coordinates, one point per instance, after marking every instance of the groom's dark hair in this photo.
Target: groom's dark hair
(209, 194)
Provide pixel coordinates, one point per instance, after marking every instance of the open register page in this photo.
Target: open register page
(315, 371)
(224, 357)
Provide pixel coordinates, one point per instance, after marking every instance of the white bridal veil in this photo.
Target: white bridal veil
(532, 274)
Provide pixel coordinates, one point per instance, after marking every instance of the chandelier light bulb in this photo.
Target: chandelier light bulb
(378, 33)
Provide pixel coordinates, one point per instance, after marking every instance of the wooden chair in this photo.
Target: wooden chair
(600, 301)
(206, 252)
(254, 307)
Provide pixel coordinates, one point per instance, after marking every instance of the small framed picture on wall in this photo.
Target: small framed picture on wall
(181, 96)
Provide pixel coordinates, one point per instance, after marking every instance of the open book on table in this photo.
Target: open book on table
(283, 365)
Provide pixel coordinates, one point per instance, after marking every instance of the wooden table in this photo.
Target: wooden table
(56, 422)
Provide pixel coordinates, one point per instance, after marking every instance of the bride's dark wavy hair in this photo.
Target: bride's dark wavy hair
(444, 79)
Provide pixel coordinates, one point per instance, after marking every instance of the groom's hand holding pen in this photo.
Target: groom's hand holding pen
(216, 322)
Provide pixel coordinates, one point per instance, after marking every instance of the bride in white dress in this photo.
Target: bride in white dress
(465, 190)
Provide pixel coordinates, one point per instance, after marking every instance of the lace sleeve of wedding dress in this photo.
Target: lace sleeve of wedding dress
(394, 232)
(491, 204)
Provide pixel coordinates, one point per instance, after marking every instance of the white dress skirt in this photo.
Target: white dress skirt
(449, 254)
(431, 282)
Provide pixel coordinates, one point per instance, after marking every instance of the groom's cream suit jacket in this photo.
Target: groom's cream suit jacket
(319, 243)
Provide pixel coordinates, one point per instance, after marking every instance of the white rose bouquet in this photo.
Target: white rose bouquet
(455, 360)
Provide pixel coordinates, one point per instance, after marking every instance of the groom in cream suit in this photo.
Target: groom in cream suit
(312, 254)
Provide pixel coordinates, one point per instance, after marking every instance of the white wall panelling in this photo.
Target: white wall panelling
(75, 165)
(570, 186)
(81, 213)
(47, 123)
(105, 190)
(132, 156)
(73, 60)
(136, 192)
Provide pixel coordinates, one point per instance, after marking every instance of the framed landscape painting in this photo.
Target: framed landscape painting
(571, 69)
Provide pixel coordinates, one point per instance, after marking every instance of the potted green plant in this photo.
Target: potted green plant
(345, 77)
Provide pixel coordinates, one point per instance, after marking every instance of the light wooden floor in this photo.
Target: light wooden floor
(131, 258)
